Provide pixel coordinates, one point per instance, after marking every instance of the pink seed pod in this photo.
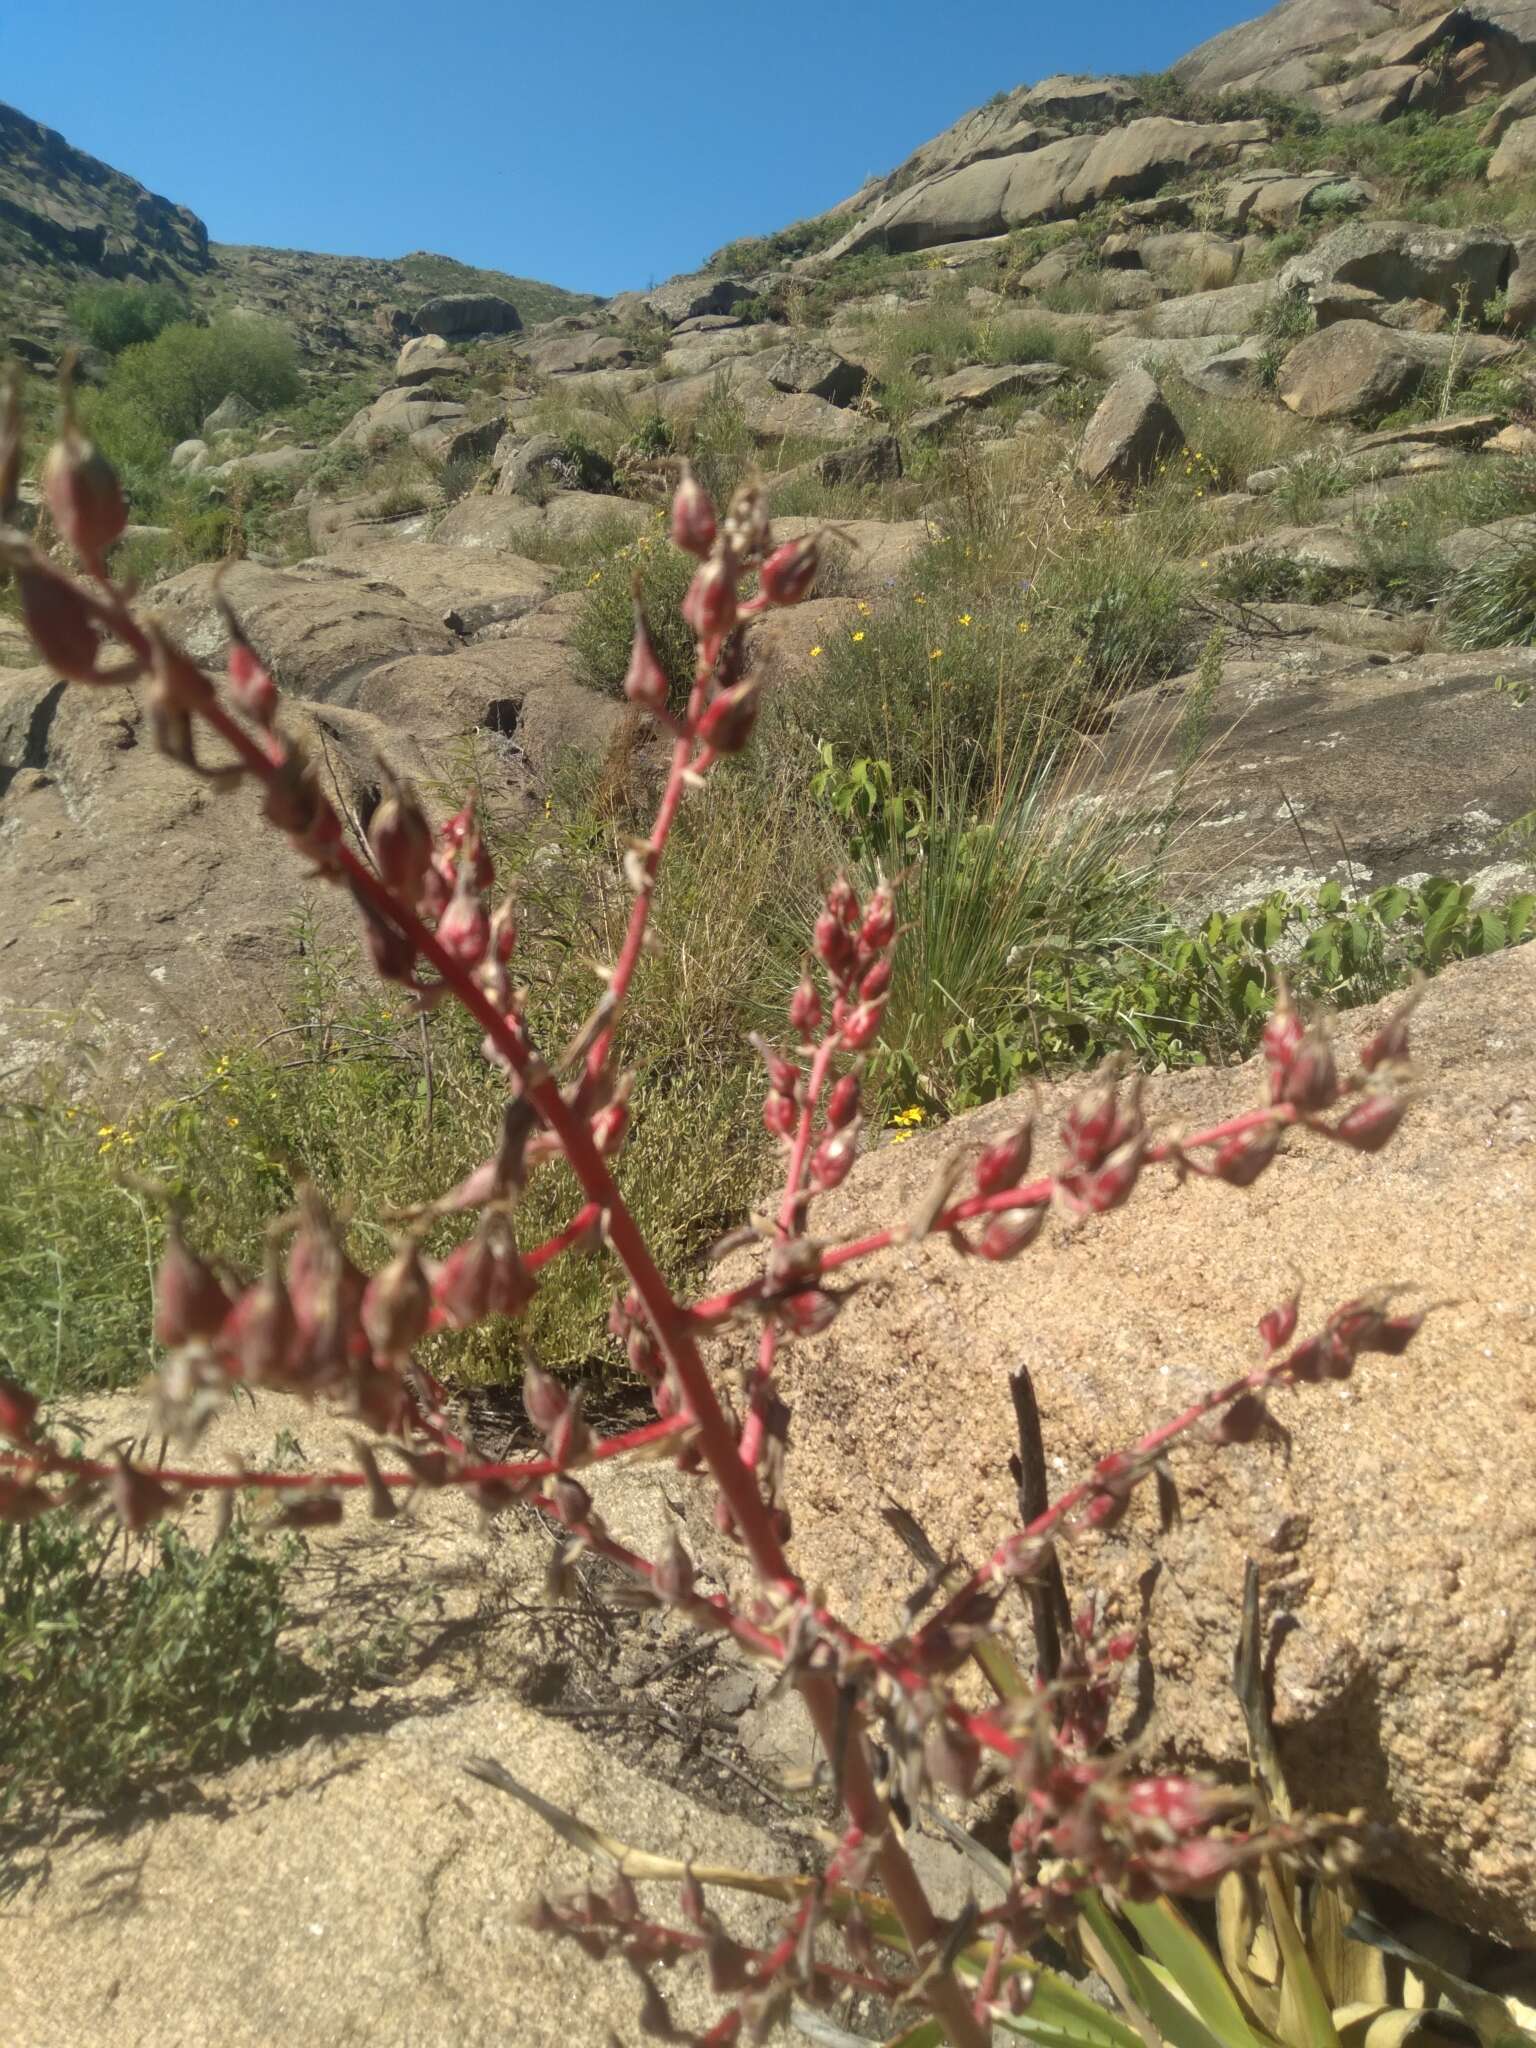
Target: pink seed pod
(544, 1399)
(728, 721)
(252, 688)
(879, 926)
(789, 574)
(877, 981)
(397, 1304)
(1281, 1041)
(1181, 1804)
(805, 1008)
(392, 953)
(1010, 1232)
(1310, 1082)
(18, 1413)
(780, 1114)
(1371, 1124)
(464, 930)
(401, 840)
(808, 1313)
(260, 1336)
(693, 516)
(843, 903)
(190, 1300)
(1004, 1164)
(60, 622)
(1241, 1160)
(834, 946)
(645, 680)
(609, 1128)
(709, 605)
(843, 1101)
(861, 1027)
(83, 494)
(833, 1159)
(1278, 1325)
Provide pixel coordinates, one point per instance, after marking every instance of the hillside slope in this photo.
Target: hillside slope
(68, 220)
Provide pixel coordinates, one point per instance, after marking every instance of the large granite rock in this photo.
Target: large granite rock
(1354, 369)
(458, 315)
(1390, 1521)
(1131, 432)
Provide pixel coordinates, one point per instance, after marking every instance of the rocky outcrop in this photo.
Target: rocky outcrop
(462, 315)
(1387, 1516)
(1448, 267)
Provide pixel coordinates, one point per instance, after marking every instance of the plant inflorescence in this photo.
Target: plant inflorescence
(314, 1324)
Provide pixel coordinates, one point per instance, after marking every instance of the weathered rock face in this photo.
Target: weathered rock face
(1354, 368)
(1409, 763)
(458, 314)
(992, 194)
(1391, 1525)
(820, 371)
(1130, 433)
(1404, 260)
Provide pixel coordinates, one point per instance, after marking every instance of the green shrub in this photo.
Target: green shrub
(751, 253)
(111, 1677)
(113, 317)
(161, 391)
(603, 630)
(1421, 155)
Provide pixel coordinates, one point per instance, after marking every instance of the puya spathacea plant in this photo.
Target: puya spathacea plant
(312, 1323)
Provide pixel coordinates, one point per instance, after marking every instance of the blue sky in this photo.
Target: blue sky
(597, 145)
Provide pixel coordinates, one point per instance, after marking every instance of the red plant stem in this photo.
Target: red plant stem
(1034, 1194)
(43, 1461)
(753, 1432)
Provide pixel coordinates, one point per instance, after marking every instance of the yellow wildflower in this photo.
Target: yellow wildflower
(155, 1056)
(935, 654)
(1023, 625)
(965, 618)
(857, 637)
(231, 1121)
(863, 609)
(918, 597)
(814, 652)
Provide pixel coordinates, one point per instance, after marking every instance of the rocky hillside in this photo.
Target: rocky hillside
(68, 220)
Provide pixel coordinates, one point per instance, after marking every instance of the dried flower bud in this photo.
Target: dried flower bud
(544, 1399)
(834, 945)
(1241, 1422)
(805, 1008)
(1277, 1326)
(18, 1412)
(138, 1498)
(397, 1303)
(789, 574)
(392, 953)
(571, 1501)
(693, 516)
(190, 1301)
(843, 903)
(746, 534)
(22, 1500)
(728, 721)
(808, 1313)
(645, 680)
(784, 1077)
(1004, 1164)
(1371, 1123)
(60, 621)
(401, 840)
(82, 492)
(953, 1757)
(1390, 1044)
(675, 1574)
(1180, 1804)
(709, 605)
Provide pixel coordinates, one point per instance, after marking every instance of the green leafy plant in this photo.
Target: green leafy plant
(113, 1674)
(113, 317)
(161, 391)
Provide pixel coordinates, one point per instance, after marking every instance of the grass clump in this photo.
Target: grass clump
(111, 1677)
(603, 630)
(1416, 156)
(1492, 602)
(749, 254)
